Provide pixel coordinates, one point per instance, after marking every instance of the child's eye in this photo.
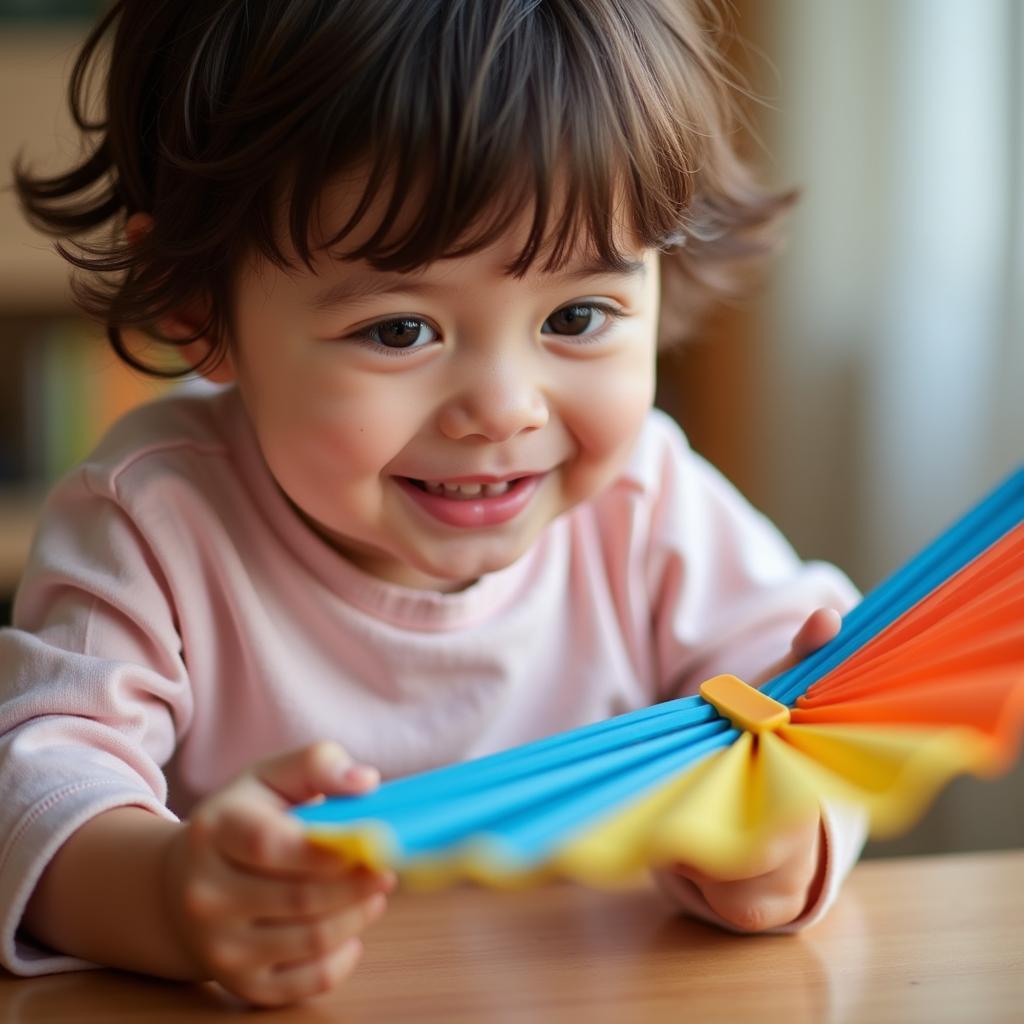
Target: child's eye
(396, 336)
(575, 319)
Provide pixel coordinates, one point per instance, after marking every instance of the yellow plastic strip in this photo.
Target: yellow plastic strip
(893, 771)
(360, 843)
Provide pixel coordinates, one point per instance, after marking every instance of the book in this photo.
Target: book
(74, 387)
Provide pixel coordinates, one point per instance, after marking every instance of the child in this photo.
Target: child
(430, 514)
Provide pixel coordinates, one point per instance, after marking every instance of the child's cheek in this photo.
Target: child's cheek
(605, 418)
(353, 437)
(327, 439)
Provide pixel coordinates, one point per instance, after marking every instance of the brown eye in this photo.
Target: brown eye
(398, 336)
(399, 333)
(572, 319)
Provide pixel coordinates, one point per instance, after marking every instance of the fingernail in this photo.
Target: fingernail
(334, 759)
(360, 775)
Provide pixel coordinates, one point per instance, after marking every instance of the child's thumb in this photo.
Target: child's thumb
(310, 771)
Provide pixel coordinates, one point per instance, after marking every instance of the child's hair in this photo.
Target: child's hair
(215, 111)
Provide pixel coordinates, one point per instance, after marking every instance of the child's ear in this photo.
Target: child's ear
(184, 323)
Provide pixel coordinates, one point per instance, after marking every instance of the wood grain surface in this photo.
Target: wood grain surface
(911, 939)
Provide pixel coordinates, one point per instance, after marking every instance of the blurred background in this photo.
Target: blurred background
(866, 394)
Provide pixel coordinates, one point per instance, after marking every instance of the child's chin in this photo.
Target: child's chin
(466, 571)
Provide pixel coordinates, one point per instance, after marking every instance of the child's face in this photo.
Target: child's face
(484, 378)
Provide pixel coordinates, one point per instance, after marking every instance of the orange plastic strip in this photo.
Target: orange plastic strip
(929, 625)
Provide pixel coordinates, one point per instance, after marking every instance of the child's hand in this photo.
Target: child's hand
(258, 907)
(787, 877)
(785, 880)
(819, 627)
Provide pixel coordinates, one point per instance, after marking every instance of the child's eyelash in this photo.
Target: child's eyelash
(367, 335)
(613, 313)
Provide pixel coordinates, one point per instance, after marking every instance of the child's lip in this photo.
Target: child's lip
(480, 511)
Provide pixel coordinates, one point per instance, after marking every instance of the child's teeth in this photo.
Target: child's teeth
(470, 490)
(465, 490)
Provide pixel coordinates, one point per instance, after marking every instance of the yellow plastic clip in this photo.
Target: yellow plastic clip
(746, 707)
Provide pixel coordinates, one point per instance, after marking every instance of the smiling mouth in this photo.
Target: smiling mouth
(466, 492)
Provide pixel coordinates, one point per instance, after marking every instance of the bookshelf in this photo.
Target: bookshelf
(35, 62)
(59, 385)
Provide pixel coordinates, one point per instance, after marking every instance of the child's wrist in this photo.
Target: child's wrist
(171, 871)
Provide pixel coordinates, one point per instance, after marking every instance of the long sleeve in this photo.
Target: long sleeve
(94, 695)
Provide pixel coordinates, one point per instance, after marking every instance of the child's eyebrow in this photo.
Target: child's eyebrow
(352, 290)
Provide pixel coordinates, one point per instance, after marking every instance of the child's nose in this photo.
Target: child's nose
(496, 406)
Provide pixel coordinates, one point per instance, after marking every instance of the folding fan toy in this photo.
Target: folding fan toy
(924, 681)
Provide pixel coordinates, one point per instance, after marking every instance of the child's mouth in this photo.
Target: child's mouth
(472, 505)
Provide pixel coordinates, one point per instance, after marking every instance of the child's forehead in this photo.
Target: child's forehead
(345, 203)
(332, 288)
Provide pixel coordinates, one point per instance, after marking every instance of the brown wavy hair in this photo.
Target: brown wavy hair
(211, 109)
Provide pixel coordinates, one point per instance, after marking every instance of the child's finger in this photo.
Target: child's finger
(754, 906)
(311, 771)
(820, 627)
(280, 986)
(275, 900)
(263, 840)
(289, 942)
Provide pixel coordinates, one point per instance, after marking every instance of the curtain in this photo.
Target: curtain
(890, 354)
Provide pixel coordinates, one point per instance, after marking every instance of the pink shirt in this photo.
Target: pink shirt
(178, 620)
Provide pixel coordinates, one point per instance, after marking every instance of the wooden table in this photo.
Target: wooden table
(914, 939)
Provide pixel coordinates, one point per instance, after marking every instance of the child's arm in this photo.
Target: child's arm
(729, 595)
(237, 894)
(797, 876)
(100, 898)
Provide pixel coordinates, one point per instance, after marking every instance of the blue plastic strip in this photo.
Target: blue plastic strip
(443, 811)
(445, 783)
